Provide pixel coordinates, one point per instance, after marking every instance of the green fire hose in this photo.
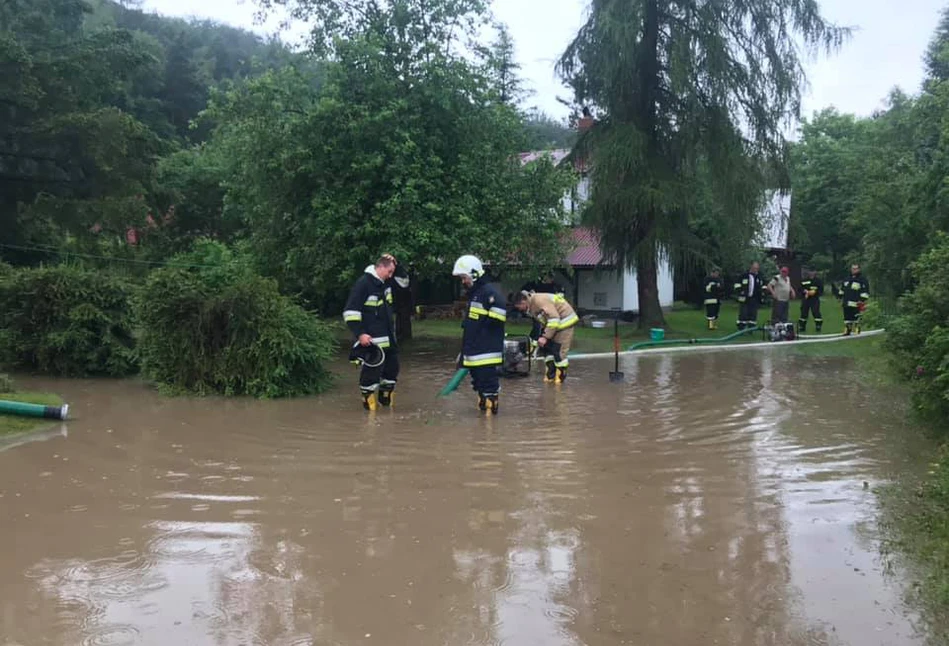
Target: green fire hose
(34, 410)
(455, 381)
(720, 339)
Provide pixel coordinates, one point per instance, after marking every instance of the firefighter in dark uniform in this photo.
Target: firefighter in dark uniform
(369, 316)
(714, 293)
(483, 337)
(853, 294)
(748, 294)
(812, 288)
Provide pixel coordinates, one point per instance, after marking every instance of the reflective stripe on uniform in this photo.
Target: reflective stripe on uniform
(381, 341)
(553, 323)
(486, 359)
(711, 301)
(498, 313)
(476, 310)
(373, 301)
(562, 364)
(352, 315)
(851, 303)
(864, 295)
(570, 321)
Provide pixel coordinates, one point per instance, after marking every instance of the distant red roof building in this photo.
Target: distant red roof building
(586, 248)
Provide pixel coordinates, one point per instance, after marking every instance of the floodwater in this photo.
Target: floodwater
(721, 498)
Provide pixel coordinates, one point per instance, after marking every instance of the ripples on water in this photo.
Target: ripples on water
(714, 498)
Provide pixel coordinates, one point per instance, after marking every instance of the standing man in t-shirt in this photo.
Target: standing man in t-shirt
(781, 294)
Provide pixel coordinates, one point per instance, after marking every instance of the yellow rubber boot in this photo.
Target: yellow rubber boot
(370, 401)
(551, 375)
(492, 405)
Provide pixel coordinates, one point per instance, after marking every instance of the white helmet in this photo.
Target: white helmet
(468, 266)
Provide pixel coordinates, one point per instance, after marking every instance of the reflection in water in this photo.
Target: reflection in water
(712, 498)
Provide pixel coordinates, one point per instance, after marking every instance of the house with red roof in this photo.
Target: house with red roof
(590, 282)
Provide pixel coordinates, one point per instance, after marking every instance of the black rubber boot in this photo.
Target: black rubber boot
(386, 396)
(551, 374)
(801, 326)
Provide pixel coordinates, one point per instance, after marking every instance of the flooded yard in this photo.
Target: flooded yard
(720, 498)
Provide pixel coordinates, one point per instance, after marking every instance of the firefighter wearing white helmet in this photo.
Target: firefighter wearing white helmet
(483, 337)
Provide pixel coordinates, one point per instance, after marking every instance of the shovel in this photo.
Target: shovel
(616, 376)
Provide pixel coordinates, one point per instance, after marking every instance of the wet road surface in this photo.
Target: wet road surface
(711, 499)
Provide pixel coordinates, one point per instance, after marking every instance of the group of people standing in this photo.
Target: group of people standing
(750, 288)
(369, 317)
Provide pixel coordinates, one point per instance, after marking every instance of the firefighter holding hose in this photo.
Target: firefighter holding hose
(369, 317)
(557, 317)
(483, 331)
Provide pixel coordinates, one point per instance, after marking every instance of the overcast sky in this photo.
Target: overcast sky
(885, 51)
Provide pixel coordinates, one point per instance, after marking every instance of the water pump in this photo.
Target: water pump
(517, 357)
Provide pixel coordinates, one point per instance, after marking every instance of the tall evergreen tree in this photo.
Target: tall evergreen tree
(694, 97)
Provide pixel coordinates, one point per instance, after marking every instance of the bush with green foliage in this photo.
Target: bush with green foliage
(66, 320)
(209, 324)
(6, 384)
(918, 337)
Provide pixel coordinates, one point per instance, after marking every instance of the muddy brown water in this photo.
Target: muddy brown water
(711, 499)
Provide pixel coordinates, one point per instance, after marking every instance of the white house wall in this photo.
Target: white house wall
(666, 287)
(600, 290)
(666, 284)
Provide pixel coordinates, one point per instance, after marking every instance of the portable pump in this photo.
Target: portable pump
(517, 357)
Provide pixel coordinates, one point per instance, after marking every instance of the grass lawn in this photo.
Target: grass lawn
(915, 523)
(11, 424)
(683, 322)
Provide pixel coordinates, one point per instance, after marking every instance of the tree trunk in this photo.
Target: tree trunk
(647, 271)
(647, 286)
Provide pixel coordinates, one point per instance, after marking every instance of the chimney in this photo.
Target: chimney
(586, 121)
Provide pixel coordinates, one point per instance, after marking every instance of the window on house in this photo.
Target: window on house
(599, 299)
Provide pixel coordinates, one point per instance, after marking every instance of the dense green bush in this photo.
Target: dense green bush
(6, 384)
(210, 325)
(918, 336)
(65, 320)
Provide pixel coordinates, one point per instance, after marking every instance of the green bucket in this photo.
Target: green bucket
(657, 334)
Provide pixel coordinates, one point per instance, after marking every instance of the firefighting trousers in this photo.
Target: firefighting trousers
(811, 306)
(748, 315)
(486, 380)
(556, 349)
(851, 314)
(381, 377)
(712, 310)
